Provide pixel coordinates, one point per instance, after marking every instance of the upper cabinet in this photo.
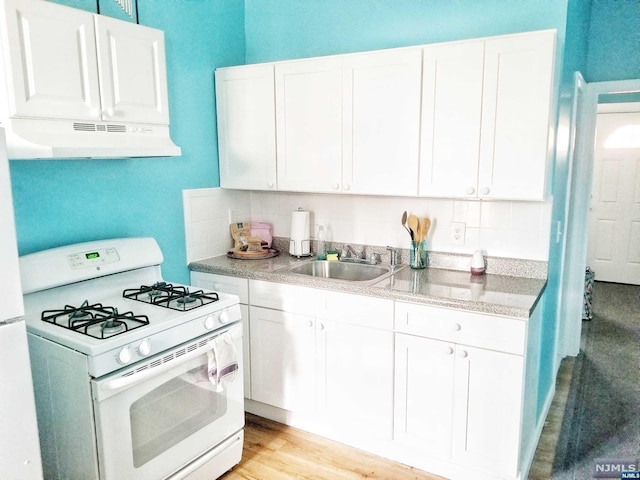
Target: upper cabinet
(486, 117)
(94, 72)
(343, 120)
(245, 103)
(309, 124)
(382, 122)
(467, 119)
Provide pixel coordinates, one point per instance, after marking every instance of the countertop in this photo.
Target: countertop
(513, 296)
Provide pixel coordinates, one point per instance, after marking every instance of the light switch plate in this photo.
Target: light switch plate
(457, 232)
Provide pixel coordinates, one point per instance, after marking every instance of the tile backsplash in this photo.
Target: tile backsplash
(499, 228)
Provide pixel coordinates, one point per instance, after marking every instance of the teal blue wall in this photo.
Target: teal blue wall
(574, 59)
(285, 29)
(614, 41)
(66, 201)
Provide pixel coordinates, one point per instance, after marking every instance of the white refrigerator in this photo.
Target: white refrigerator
(19, 444)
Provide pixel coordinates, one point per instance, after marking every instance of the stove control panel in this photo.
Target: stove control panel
(93, 258)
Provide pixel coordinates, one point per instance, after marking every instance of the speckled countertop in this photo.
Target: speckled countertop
(493, 293)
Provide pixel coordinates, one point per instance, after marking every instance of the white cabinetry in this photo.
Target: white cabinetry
(309, 120)
(66, 63)
(326, 355)
(486, 117)
(245, 102)
(382, 122)
(470, 369)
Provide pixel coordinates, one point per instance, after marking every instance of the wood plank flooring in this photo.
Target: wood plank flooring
(273, 451)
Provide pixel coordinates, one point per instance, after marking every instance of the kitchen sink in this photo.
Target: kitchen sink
(347, 272)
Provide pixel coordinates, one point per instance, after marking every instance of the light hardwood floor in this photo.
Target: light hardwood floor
(273, 451)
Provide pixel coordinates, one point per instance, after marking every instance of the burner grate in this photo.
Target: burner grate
(169, 296)
(95, 320)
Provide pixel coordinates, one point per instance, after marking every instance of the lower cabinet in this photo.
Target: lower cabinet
(332, 364)
(443, 390)
(283, 359)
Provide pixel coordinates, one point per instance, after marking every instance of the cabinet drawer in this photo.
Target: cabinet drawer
(485, 331)
(222, 283)
(280, 296)
(357, 310)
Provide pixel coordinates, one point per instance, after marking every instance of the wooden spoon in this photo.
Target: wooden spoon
(404, 224)
(425, 224)
(413, 225)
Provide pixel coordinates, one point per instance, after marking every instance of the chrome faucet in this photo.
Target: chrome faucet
(393, 252)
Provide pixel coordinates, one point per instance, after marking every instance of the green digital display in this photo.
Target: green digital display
(92, 255)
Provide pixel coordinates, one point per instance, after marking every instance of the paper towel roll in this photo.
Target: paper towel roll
(300, 226)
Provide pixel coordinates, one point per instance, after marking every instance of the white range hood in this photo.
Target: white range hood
(47, 138)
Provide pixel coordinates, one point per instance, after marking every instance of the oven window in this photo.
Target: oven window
(172, 412)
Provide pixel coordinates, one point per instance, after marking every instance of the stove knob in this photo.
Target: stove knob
(125, 356)
(144, 348)
(224, 317)
(209, 322)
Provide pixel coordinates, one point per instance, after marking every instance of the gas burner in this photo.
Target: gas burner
(95, 320)
(170, 296)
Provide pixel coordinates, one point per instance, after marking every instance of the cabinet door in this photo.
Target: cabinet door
(423, 407)
(487, 406)
(133, 77)
(516, 121)
(51, 50)
(245, 102)
(382, 122)
(451, 118)
(309, 119)
(283, 359)
(355, 379)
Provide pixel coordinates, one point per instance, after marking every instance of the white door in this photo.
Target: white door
(451, 115)
(423, 404)
(283, 359)
(518, 79)
(614, 217)
(487, 407)
(245, 102)
(133, 77)
(355, 379)
(54, 71)
(382, 122)
(309, 120)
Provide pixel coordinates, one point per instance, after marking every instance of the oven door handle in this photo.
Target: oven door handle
(119, 383)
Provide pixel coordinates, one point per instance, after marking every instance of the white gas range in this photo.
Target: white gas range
(134, 377)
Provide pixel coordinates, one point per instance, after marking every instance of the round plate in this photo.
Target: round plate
(267, 253)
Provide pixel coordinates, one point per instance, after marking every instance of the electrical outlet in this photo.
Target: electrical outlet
(457, 232)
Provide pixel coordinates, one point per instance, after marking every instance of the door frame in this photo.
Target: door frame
(579, 184)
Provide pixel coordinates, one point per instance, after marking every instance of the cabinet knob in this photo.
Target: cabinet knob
(270, 185)
(456, 327)
(336, 186)
(109, 112)
(463, 354)
(484, 191)
(448, 351)
(322, 326)
(310, 324)
(347, 187)
(470, 191)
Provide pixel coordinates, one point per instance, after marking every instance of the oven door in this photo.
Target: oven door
(158, 416)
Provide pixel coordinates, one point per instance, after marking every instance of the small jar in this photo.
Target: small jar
(418, 255)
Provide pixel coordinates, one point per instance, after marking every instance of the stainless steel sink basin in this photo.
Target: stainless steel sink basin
(348, 272)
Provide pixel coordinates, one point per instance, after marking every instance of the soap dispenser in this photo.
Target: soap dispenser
(477, 263)
(321, 254)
